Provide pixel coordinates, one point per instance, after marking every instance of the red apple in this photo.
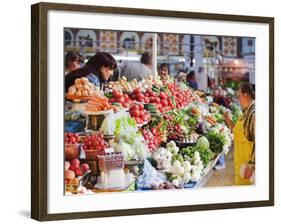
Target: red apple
(75, 162)
(84, 167)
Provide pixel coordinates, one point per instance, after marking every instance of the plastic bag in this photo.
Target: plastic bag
(108, 125)
(150, 177)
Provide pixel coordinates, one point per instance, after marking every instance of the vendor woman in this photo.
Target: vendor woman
(98, 70)
(244, 136)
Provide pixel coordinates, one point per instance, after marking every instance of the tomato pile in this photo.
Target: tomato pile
(95, 142)
(139, 96)
(140, 114)
(71, 138)
(182, 97)
(119, 97)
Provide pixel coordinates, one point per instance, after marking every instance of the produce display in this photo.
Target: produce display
(159, 136)
(94, 145)
(82, 88)
(140, 114)
(97, 103)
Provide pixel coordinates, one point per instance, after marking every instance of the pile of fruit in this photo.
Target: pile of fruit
(73, 170)
(71, 147)
(140, 114)
(95, 142)
(95, 145)
(182, 97)
(82, 87)
(138, 95)
(71, 138)
(74, 165)
(118, 98)
(123, 85)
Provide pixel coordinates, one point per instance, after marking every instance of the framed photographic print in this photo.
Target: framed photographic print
(139, 111)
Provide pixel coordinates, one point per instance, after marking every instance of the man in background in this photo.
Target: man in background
(139, 70)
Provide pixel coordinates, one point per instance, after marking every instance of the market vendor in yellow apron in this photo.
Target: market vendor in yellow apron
(244, 136)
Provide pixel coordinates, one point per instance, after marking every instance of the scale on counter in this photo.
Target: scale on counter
(94, 119)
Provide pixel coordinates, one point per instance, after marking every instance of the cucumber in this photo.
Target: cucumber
(155, 89)
(149, 106)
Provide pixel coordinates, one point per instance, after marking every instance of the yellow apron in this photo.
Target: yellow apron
(242, 151)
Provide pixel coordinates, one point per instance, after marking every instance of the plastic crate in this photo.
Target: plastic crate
(111, 161)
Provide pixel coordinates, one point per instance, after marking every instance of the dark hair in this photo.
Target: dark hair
(165, 65)
(191, 73)
(102, 59)
(146, 58)
(247, 87)
(72, 56)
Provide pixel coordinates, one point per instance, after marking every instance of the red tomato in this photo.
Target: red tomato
(140, 96)
(135, 113)
(142, 113)
(164, 103)
(135, 107)
(144, 117)
(141, 107)
(137, 91)
(162, 95)
(157, 100)
(117, 94)
(139, 120)
(146, 99)
(121, 100)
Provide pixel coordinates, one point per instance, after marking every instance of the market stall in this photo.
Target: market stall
(145, 135)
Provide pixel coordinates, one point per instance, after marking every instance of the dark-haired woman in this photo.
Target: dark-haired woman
(244, 136)
(98, 70)
(72, 61)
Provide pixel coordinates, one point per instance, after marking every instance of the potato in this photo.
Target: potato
(85, 93)
(77, 81)
(84, 80)
(87, 87)
(78, 85)
(71, 90)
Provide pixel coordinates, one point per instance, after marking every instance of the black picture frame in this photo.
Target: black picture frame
(39, 108)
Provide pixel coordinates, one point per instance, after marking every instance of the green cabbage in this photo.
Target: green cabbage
(203, 143)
